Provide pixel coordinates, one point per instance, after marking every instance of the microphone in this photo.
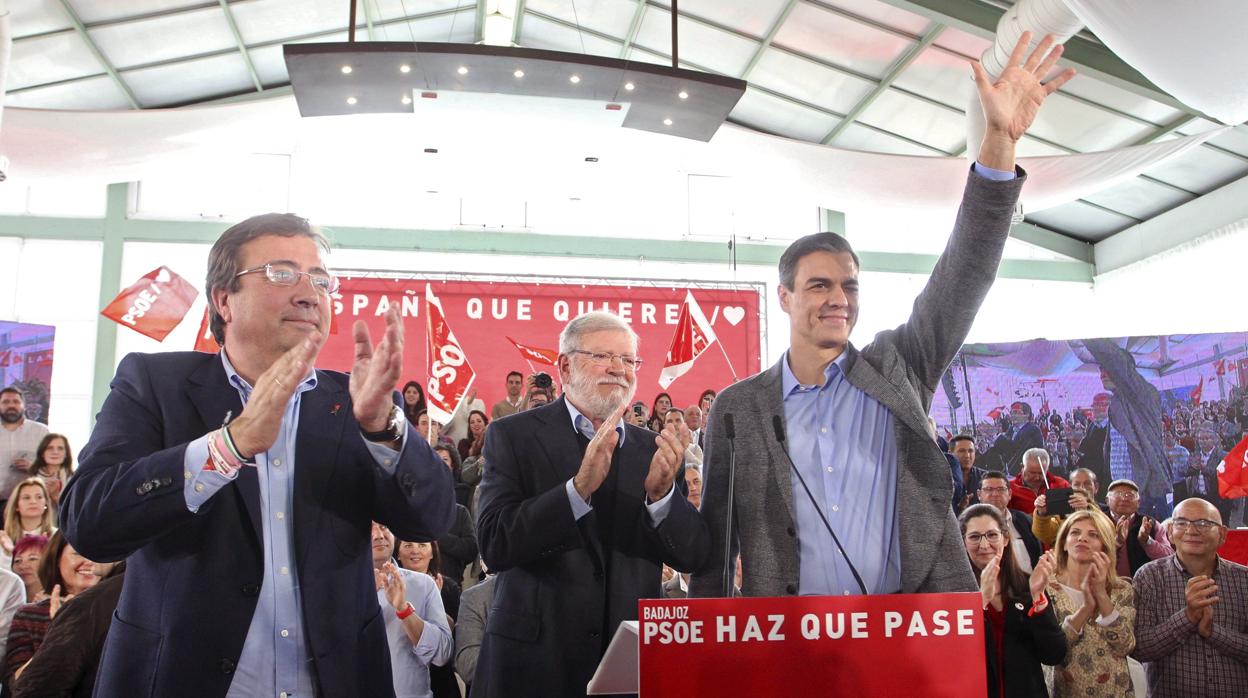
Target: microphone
(729, 568)
(778, 425)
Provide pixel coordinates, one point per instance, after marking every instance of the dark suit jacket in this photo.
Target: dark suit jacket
(1029, 642)
(1206, 469)
(901, 369)
(1022, 523)
(565, 585)
(1011, 448)
(1092, 454)
(193, 579)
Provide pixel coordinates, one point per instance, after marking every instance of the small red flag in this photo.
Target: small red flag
(694, 335)
(154, 304)
(541, 356)
(450, 374)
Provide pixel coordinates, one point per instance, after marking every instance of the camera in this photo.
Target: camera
(542, 380)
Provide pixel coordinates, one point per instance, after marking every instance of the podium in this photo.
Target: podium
(853, 646)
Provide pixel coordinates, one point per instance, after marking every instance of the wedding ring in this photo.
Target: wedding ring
(279, 383)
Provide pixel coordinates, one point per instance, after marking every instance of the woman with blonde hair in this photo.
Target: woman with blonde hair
(29, 512)
(1096, 609)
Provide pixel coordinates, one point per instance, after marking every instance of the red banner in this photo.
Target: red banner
(204, 341)
(550, 357)
(1233, 473)
(450, 373)
(1235, 548)
(484, 314)
(828, 646)
(154, 304)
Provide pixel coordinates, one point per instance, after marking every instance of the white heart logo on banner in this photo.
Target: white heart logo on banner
(734, 314)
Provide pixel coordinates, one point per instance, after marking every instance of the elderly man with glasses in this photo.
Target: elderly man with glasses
(1191, 623)
(1140, 538)
(242, 486)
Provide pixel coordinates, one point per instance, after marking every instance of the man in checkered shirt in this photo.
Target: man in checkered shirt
(1191, 623)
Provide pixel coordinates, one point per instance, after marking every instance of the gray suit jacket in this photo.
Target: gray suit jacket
(901, 369)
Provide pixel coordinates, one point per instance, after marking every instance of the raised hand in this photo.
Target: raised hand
(376, 371)
(56, 600)
(1041, 574)
(1078, 501)
(388, 578)
(256, 429)
(1012, 102)
(1042, 503)
(1146, 530)
(672, 442)
(990, 581)
(596, 462)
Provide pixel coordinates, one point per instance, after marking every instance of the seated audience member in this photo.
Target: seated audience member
(66, 663)
(416, 625)
(1021, 631)
(54, 463)
(513, 400)
(472, 444)
(994, 489)
(12, 597)
(1044, 526)
(705, 400)
(1193, 612)
(463, 488)
(1096, 608)
(474, 611)
(457, 427)
(1140, 538)
(458, 548)
(962, 448)
(693, 418)
(658, 410)
(28, 512)
(676, 417)
(693, 480)
(1033, 480)
(425, 558)
(64, 574)
(26, 555)
(425, 426)
(413, 401)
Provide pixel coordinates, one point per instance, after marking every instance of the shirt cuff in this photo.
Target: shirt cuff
(658, 510)
(992, 174)
(200, 484)
(386, 457)
(1106, 621)
(579, 506)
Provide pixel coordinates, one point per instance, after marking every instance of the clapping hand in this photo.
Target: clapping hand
(1201, 593)
(672, 442)
(990, 581)
(57, 600)
(388, 578)
(596, 462)
(375, 372)
(1041, 574)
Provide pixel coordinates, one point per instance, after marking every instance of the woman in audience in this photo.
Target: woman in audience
(63, 573)
(472, 444)
(28, 512)
(426, 559)
(463, 487)
(1096, 608)
(708, 396)
(54, 463)
(1021, 627)
(26, 555)
(658, 411)
(413, 400)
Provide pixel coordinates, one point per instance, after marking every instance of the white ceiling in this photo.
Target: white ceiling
(876, 75)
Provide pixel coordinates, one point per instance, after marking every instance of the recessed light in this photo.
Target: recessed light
(405, 69)
(575, 79)
(667, 122)
(406, 99)
(428, 95)
(629, 86)
(591, 159)
(431, 150)
(519, 73)
(351, 100)
(346, 70)
(463, 70)
(683, 95)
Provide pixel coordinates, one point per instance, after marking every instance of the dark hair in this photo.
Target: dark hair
(15, 391)
(1025, 407)
(223, 263)
(995, 475)
(654, 405)
(435, 556)
(484, 417)
(1014, 584)
(674, 409)
(456, 463)
(803, 246)
(67, 467)
(413, 412)
(961, 437)
(514, 373)
(50, 563)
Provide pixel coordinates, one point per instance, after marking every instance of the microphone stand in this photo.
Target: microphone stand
(729, 568)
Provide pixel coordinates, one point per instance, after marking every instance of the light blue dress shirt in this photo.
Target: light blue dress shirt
(275, 660)
(410, 663)
(657, 510)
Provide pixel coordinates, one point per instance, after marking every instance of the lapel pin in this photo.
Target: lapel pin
(334, 411)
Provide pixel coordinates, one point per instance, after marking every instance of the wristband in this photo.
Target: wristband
(1038, 605)
(217, 458)
(408, 610)
(229, 444)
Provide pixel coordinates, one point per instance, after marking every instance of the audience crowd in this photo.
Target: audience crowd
(1078, 589)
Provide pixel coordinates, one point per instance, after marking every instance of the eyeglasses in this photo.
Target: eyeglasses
(1201, 525)
(602, 358)
(994, 490)
(282, 274)
(993, 537)
(1125, 495)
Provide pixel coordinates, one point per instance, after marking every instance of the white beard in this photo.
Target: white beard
(583, 390)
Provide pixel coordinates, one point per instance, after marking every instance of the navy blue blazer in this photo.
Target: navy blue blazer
(193, 579)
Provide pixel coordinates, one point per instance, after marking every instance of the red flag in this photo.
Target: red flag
(694, 335)
(204, 341)
(1220, 367)
(541, 356)
(1233, 472)
(154, 304)
(995, 412)
(1197, 392)
(450, 374)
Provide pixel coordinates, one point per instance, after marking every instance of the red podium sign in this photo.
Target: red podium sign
(854, 646)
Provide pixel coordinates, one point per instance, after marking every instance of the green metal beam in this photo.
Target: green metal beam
(517, 22)
(1166, 129)
(479, 30)
(110, 284)
(895, 71)
(99, 55)
(242, 45)
(633, 27)
(1058, 243)
(368, 21)
(766, 42)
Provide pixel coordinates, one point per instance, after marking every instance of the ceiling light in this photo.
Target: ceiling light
(346, 70)
(629, 86)
(591, 159)
(351, 100)
(405, 69)
(519, 73)
(463, 70)
(667, 122)
(683, 95)
(575, 79)
(432, 151)
(406, 99)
